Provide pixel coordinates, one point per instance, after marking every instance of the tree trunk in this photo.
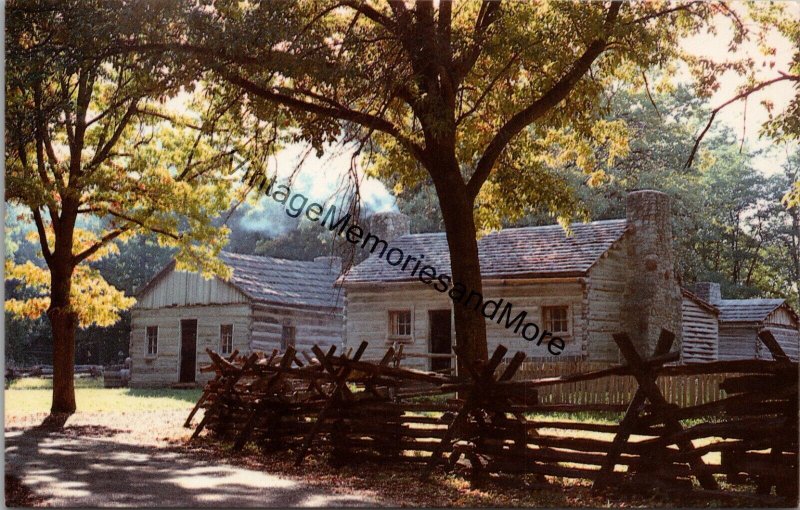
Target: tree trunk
(64, 322)
(459, 223)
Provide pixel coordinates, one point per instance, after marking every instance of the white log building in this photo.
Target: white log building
(268, 304)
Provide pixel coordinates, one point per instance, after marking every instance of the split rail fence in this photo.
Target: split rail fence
(487, 421)
(682, 390)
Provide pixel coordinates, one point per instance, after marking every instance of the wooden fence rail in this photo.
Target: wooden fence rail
(492, 421)
(682, 390)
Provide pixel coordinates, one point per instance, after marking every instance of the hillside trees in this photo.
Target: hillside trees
(91, 157)
(728, 221)
(476, 97)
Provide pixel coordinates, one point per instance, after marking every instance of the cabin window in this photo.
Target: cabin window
(287, 337)
(400, 323)
(226, 338)
(152, 340)
(556, 319)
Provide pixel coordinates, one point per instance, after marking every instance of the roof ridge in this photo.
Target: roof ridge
(763, 300)
(699, 300)
(511, 252)
(269, 257)
(552, 225)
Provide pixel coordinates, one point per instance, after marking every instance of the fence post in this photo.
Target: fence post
(648, 390)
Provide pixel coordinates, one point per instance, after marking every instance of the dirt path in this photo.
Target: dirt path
(68, 470)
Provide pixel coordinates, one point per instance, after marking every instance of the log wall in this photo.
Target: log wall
(738, 341)
(604, 299)
(163, 368)
(700, 333)
(367, 316)
(312, 327)
(788, 339)
(786, 329)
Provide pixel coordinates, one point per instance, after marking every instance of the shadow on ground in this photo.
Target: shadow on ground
(70, 470)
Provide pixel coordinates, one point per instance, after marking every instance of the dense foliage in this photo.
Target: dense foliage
(94, 158)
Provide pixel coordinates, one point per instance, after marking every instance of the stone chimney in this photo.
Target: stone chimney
(708, 291)
(652, 298)
(389, 225)
(334, 263)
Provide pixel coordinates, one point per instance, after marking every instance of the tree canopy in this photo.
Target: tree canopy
(94, 155)
(480, 97)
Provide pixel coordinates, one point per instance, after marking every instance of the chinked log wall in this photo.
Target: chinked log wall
(357, 410)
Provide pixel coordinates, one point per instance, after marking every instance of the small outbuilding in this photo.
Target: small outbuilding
(740, 321)
(267, 304)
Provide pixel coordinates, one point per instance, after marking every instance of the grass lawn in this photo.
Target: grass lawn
(34, 395)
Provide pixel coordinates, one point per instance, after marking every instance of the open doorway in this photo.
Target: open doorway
(441, 341)
(188, 365)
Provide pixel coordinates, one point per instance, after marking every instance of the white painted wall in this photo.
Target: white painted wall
(180, 288)
(163, 369)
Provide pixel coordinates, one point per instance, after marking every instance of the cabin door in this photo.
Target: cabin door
(188, 350)
(440, 339)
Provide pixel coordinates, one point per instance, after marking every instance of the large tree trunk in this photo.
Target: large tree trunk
(459, 223)
(64, 322)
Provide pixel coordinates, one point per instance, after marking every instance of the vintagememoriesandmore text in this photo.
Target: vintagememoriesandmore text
(297, 204)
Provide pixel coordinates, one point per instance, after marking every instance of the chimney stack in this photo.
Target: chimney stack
(389, 225)
(652, 298)
(708, 291)
(334, 263)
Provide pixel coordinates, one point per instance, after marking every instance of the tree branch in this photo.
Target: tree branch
(201, 51)
(39, 135)
(340, 112)
(487, 15)
(37, 218)
(102, 152)
(649, 95)
(166, 117)
(658, 14)
(541, 106)
(369, 12)
(85, 254)
(488, 89)
(143, 225)
(737, 97)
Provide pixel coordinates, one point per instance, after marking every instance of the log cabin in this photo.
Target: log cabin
(267, 304)
(740, 321)
(600, 278)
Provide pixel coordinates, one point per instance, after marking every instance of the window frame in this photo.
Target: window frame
(391, 323)
(547, 320)
(147, 352)
(222, 339)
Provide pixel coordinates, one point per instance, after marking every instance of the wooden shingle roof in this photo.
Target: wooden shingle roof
(509, 253)
(746, 310)
(285, 282)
